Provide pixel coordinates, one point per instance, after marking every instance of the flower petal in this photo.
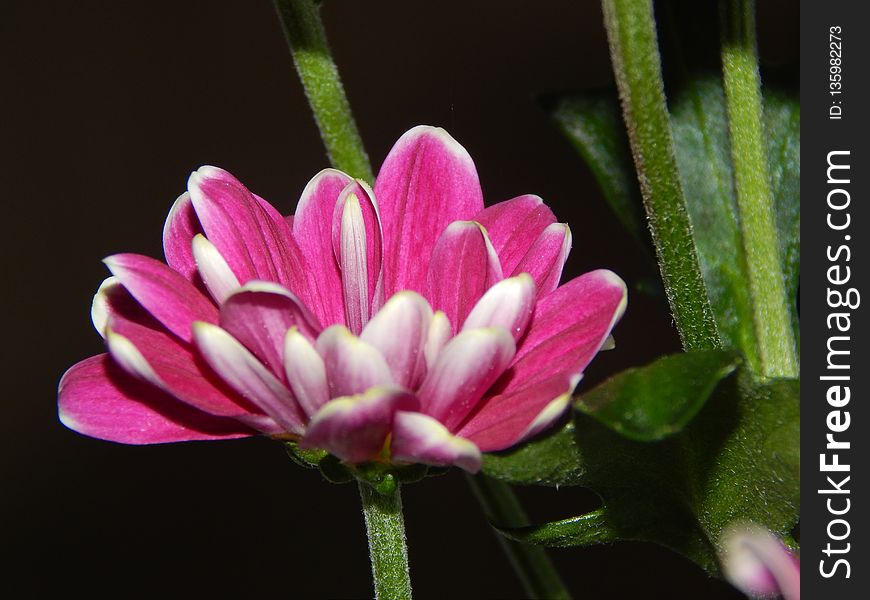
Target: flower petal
(251, 236)
(510, 417)
(352, 365)
(427, 181)
(214, 270)
(96, 398)
(400, 331)
(312, 229)
(354, 428)
(568, 327)
(546, 258)
(464, 265)
(111, 298)
(161, 360)
(305, 371)
(573, 322)
(514, 225)
(467, 366)
(168, 296)
(179, 230)
(358, 246)
(758, 563)
(259, 315)
(507, 304)
(245, 374)
(439, 334)
(418, 438)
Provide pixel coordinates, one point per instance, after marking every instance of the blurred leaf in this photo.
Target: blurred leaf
(738, 459)
(649, 403)
(593, 124)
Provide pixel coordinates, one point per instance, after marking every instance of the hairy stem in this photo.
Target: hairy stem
(634, 52)
(388, 549)
(775, 338)
(313, 59)
(531, 564)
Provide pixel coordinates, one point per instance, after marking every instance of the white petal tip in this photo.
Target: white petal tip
(418, 438)
(100, 303)
(549, 414)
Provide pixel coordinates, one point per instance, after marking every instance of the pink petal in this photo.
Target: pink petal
(358, 245)
(507, 304)
(400, 331)
(546, 258)
(252, 237)
(513, 416)
(305, 371)
(259, 315)
(96, 398)
(464, 265)
(576, 318)
(219, 279)
(168, 296)
(439, 334)
(352, 365)
(245, 374)
(569, 326)
(113, 302)
(312, 229)
(758, 563)
(355, 428)
(160, 359)
(427, 181)
(514, 225)
(467, 366)
(179, 230)
(418, 438)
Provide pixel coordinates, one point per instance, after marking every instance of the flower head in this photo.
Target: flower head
(406, 323)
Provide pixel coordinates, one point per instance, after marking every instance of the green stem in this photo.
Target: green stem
(776, 344)
(388, 549)
(319, 75)
(634, 51)
(532, 565)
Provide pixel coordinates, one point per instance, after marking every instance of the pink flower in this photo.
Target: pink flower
(419, 327)
(758, 564)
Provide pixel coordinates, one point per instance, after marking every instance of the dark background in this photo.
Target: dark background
(106, 107)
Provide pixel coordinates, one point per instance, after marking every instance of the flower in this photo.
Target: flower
(757, 563)
(405, 323)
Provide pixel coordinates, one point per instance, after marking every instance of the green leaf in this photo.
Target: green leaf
(738, 458)
(652, 402)
(592, 122)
